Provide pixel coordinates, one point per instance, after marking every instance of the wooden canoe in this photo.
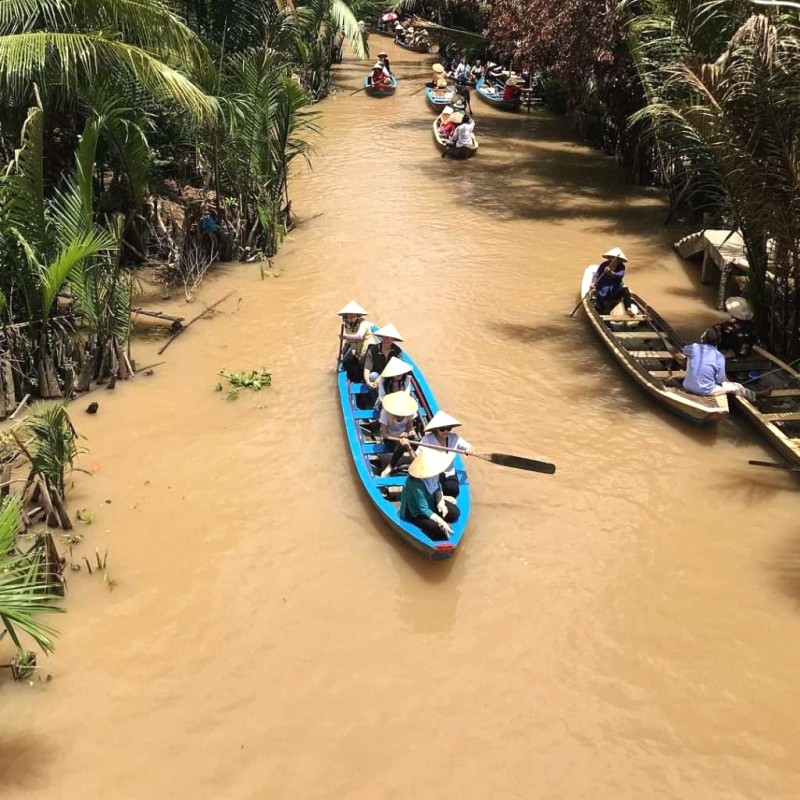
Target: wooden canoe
(466, 152)
(388, 91)
(495, 98)
(415, 48)
(438, 98)
(777, 417)
(369, 455)
(648, 349)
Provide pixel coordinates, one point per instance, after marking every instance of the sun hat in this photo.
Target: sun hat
(448, 110)
(400, 404)
(429, 463)
(382, 55)
(352, 308)
(739, 308)
(441, 419)
(615, 252)
(396, 367)
(457, 117)
(437, 67)
(377, 65)
(389, 332)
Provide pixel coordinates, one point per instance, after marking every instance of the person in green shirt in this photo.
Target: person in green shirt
(422, 501)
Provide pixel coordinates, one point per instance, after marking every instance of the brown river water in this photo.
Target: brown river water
(627, 628)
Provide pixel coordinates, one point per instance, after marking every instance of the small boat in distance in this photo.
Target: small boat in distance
(438, 98)
(387, 90)
(651, 353)
(494, 97)
(370, 456)
(415, 48)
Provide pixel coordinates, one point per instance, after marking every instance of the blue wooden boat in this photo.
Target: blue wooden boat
(438, 98)
(495, 98)
(385, 492)
(371, 90)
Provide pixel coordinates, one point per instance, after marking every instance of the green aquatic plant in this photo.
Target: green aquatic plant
(252, 379)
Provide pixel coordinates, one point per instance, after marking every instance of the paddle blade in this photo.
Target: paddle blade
(517, 462)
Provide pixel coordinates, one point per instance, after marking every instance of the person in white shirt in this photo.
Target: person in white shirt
(461, 139)
(397, 426)
(356, 336)
(438, 432)
(396, 377)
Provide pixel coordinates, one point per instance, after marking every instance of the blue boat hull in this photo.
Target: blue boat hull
(495, 98)
(380, 92)
(361, 448)
(437, 102)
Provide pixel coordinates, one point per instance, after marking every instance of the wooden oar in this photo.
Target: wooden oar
(503, 459)
(362, 89)
(580, 302)
(773, 465)
(341, 345)
(418, 91)
(771, 372)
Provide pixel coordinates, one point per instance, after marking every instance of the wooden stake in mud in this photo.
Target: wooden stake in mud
(191, 322)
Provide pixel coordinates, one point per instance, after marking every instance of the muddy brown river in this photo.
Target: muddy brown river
(626, 629)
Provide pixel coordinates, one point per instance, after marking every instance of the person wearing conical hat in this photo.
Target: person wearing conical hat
(737, 335)
(379, 77)
(398, 412)
(439, 432)
(357, 336)
(447, 124)
(608, 285)
(428, 509)
(396, 377)
(463, 99)
(380, 352)
(384, 59)
(512, 90)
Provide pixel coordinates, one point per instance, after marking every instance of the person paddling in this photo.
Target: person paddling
(383, 58)
(439, 432)
(608, 285)
(356, 336)
(422, 501)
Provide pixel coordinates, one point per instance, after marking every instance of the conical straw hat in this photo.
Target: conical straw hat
(457, 117)
(396, 367)
(389, 332)
(441, 83)
(400, 404)
(429, 463)
(441, 419)
(438, 68)
(352, 308)
(448, 110)
(615, 252)
(377, 65)
(739, 308)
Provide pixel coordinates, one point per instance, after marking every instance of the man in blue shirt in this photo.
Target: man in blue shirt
(705, 370)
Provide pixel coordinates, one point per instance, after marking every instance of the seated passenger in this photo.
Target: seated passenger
(379, 78)
(422, 501)
(436, 76)
(738, 334)
(705, 370)
(608, 286)
(448, 124)
(396, 377)
(460, 141)
(357, 336)
(438, 432)
(511, 90)
(398, 412)
(383, 58)
(384, 345)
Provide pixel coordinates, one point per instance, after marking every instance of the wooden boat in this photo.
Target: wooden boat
(386, 92)
(438, 98)
(470, 83)
(495, 98)
(777, 417)
(415, 48)
(370, 455)
(442, 144)
(652, 354)
(388, 33)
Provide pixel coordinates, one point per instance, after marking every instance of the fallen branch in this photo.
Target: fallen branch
(21, 405)
(191, 322)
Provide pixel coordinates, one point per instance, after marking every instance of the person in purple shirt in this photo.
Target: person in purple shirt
(608, 284)
(705, 370)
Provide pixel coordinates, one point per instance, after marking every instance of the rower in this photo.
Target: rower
(511, 91)
(439, 432)
(379, 76)
(438, 74)
(357, 336)
(737, 335)
(608, 285)
(422, 502)
(384, 59)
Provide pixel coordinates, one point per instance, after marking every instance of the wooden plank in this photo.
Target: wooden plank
(622, 318)
(639, 335)
(775, 360)
(785, 393)
(659, 354)
(676, 373)
(785, 416)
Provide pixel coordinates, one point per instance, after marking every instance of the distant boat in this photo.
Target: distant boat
(424, 47)
(385, 492)
(438, 98)
(494, 97)
(651, 352)
(385, 92)
(467, 152)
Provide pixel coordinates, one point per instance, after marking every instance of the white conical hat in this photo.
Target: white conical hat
(429, 463)
(441, 419)
(438, 68)
(389, 332)
(396, 367)
(739, 308)
(377, 65)
(615, 252)
(400, 404)
(352, 308)
(448, 110)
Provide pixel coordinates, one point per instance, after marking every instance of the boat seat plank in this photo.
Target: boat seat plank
(394, 480)
(639, 335)
(358, 388)
(622, 318)
(376, 448)
(663, 373)
(665, 355)
(783, 416)
(364, 413)
(785, 393)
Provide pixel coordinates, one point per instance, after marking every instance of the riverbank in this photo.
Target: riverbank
(625, 629)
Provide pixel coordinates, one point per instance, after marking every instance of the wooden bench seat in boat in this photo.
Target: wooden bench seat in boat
(640, 335)
(665, 355)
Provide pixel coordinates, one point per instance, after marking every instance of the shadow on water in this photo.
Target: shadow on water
(23, 760)
(784, 567)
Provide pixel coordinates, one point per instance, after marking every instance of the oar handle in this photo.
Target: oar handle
(445, 449)
(580, 302)
(773, 465)
(341, 345)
